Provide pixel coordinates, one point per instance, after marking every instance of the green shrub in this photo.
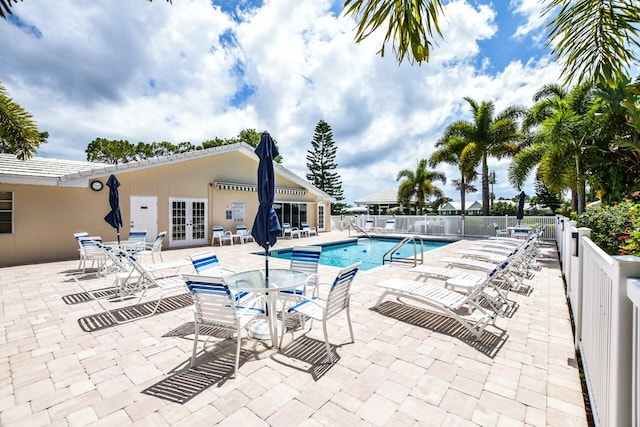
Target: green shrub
(616, 227)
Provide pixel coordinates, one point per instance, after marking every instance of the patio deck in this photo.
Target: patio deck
(407, 366)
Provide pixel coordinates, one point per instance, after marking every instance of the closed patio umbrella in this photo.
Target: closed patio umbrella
(114, 218)
(266, 227)
(520, 213)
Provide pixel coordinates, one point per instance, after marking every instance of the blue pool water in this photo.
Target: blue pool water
(369, 251)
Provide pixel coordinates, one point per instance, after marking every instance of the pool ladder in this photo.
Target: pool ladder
(360, 229)
(389, 255)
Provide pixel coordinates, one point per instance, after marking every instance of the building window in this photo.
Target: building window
(291, 212)
(6, 212)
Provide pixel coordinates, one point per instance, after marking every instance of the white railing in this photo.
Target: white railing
(633, 292)
(598, 289)
(445, 225)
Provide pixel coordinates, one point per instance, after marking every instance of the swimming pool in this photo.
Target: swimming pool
(369, 251)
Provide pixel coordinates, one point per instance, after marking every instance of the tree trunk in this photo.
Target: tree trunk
(485, 186)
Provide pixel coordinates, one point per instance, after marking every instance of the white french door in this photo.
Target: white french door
(187, 222)
(320, 217)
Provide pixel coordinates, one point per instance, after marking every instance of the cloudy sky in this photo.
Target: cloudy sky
(199, 69)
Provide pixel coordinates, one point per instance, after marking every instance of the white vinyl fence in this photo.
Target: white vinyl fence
(604, 294)
(441, 225)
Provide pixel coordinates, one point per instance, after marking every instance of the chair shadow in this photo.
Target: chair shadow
(82, 297)
(212, 368)
(98, 321)
(306, 354)
(185, 382)
(489, 343)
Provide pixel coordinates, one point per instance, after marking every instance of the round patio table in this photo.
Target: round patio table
(280, 279)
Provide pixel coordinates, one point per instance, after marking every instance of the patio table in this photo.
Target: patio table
(280, 279)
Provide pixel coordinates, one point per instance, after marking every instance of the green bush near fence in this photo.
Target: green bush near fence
(616, 227)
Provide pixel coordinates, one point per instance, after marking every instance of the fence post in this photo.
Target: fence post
(621, 347)
(577, 291)
(633, 292)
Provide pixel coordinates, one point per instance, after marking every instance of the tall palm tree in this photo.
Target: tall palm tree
(19, 134)
(559, 128)
(419, 184)
(487, 135)
(454, 151)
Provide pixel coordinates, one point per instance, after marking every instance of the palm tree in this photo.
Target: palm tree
(419, 184)
(486, 136)
(19, 134)
(453, 151)
(412, 24)
(593, 38)
(559, 128)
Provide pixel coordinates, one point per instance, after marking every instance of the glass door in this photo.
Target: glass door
(188, 222)
(320, 217)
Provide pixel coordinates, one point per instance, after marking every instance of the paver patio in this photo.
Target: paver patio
(407, 366)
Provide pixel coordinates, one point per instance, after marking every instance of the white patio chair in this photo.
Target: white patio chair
(215, 307)
(137, 285)
(218, 233)
(389, 226)
(306, 259)
(153, 249)
(243, 234)
(324, 309)
(207, 264)
(91, 252)
(77, 236)
(309, 231)
(287, 230)
(136, 241)
(500, 232)
(369, 224)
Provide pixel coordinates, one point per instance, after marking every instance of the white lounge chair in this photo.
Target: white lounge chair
(216, 307)
(324, 309)
(451, 303)
(519, 263)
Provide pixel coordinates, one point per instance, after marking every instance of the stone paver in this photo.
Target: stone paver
(397, 372)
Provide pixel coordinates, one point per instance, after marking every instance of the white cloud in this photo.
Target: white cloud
(532, 11)
(152, 71)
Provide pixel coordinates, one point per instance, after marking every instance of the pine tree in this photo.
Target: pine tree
(321, 163)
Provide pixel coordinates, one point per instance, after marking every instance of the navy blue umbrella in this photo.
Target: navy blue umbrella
(520, 213)
(114, 217)
(266, 227)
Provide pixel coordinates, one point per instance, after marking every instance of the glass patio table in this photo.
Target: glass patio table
(255, 281)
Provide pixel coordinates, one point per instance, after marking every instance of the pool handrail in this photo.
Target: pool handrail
(406, 240)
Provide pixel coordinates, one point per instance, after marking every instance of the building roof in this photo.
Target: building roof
(71, 173)
(469, 205)
(388, 196)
